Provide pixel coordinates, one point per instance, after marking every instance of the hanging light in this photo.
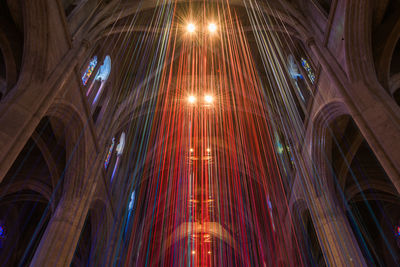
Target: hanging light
(192, 99)
(212, 27)
(191, 28)
(208, 99)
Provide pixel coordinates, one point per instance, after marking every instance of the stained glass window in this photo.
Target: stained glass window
(102, 76)
(308, 69)
(104, 70)
(279, 147)
(89, 70)
(3, 235)
(119, 150)
(293, 69)
(121, 144)
(270, 212)
(130, 206)
(2, 231)
(107, 161)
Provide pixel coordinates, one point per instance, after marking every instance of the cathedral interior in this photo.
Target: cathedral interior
(200, 133)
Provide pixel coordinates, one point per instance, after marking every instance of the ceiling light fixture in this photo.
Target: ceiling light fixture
(191, 28)
(209, 99)
(192, 99)
(212, 27)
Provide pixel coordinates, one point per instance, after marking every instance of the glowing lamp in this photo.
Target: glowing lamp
(190, 28)
(209, 99)
(212, 27)
(192, 99)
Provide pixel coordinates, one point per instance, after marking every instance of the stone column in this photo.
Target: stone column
(335, 235)
(84, 166)
(58, 244)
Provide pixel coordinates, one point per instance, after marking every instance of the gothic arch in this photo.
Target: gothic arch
(95, 234)
(358, 46)
(11, 44)
(385, 41)
(76, 144)
(326, 114)
(40, 188)
(100, 25)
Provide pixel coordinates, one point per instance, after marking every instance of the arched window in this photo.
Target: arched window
(308, 69)
(109, 154)
(3, 234)
(270, 213)
(397, 234)
(129, 221)
(102, 76)
(104, 70)
(89, 70)
(293, 68)
(119, 150)
(100, 80)
(132, 201)
(286, 159)
(295, 75)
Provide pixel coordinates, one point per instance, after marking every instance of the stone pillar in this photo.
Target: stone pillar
(58, 244)
(84, 166)
(338, 244)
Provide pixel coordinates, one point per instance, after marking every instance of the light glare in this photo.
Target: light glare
(190, 28)
(192, 99)
(209, 99)
(212, 27)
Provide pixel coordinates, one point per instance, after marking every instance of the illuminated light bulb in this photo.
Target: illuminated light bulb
(209, 99)
(209, 252)
(193, 252)
(208, 150)
(192, 99)
(212, 27)
(190, 28)
(191, 150)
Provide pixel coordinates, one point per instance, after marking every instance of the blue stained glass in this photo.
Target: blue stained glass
(107, 161)
(89, 70)
(104, 70)
(2, 231)
(132, 201)
(3, 235)
(293, 69)
(308, 69)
